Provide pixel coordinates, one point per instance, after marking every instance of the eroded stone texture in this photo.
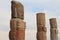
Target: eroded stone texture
(12, 35)
(53, 29)
(17, 10)
(17, 25)
(21, 34)
(41, 29)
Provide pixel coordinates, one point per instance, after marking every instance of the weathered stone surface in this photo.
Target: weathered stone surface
(13, 24)
(21, 34)
(12, 35)
(41, 29)
(53, 29)
(17, 34)
(41, 35)
(53, 23)
(17, 24)
(17, 27)
(17, 10)
(40, 19)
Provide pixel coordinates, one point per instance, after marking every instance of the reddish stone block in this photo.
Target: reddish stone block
(21, 34)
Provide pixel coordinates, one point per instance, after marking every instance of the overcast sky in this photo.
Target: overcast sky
(51, 8)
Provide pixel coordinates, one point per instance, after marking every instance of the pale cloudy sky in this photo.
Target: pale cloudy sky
(50, 7)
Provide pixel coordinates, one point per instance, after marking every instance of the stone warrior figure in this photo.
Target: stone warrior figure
(53, 29)
(41, 29)
(17, 25)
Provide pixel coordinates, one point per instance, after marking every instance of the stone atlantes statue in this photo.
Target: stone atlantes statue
(17, 25)
(53, 29)
(41, 29)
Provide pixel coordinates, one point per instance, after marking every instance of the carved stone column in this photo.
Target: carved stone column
(53, 29)
(17, 25)
(41, 29)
